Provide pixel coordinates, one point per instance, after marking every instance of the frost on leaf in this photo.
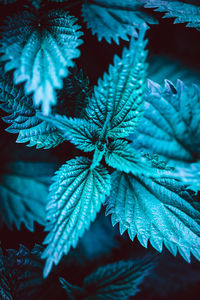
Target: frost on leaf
(159, 211)
(74, 200)
(113, 19)
(40, 49)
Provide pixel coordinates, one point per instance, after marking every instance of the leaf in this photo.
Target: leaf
(5, 290)
(156, 210)
(74, 200)
(80, 132)
(23, 193)
(118, 280)
(40, 48)
(72, 291)
(170, 126)
(113, 19)
(124, 158)
(23, 119)
(116, 105)
(182, 12)
(191, 176)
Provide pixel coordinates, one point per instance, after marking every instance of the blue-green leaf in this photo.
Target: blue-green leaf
(113, 19)
(117, 102)
(23, 119)
(191, 176)
(159, 211)
(5, 288)
(23, 193)
(74, 200)
(118, 280)
(182, 12)
(40, 48)
(72, 291)
(123, 157)
(82, 133)
(170, 126)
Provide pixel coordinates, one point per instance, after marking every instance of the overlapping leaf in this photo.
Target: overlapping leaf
(23, 119)
(158, 211)
(23, 193)
(116, 104)
(113, 19)
(75, 198)
(40, 48)
(170, 126)
(118, 280)
(182, 12)
(191, 176)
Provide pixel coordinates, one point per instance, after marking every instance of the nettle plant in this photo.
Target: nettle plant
(140, 141)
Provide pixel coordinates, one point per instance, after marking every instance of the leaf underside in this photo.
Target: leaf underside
(170, 126)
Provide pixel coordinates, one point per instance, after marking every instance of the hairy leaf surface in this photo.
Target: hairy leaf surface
(23, 193)
(191, 176)
(155, 210)
(116, 104)
(113, 19)
(74, 200)
(40, 48)
(170, 126)
(5, 289)
(182, 12)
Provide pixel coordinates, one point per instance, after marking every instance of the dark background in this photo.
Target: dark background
(173, 277)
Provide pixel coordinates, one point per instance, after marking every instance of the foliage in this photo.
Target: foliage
(128, 142)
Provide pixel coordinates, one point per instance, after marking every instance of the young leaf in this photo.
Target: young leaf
(80, 132)
(182, 12)
(156, 210)
(113, 19)
(23, 194)
(170, 126)
(40, 48)
(124, 158)
(74, 200)
(23, 119)
(116, 105)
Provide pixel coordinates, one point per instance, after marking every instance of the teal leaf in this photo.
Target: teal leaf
(23, 119)
(170, 126)
(72, 291)
(74, 200)
(40, 49)
(123, 157)
(117, 103)
(5, 286)
(113, 19)
(118, 280)
(191, 176)
(159, 211)
(23, 193)
(80, 132)
(182, 12)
